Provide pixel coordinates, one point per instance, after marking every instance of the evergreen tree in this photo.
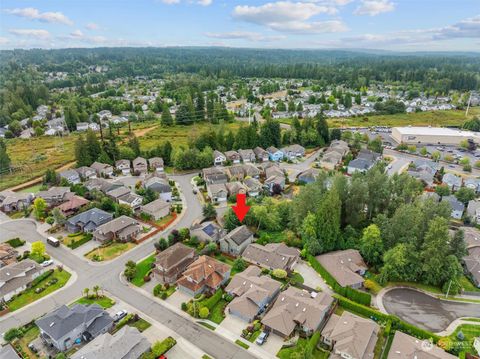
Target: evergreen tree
(328, 222)
(4, 158)
(93, 145)
(200, 107)
(322, 127)
(82, 154)
(166, 118)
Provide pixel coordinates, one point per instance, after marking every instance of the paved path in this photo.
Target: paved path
(107, 275)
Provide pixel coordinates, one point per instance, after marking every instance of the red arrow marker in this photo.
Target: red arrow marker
(241, 209)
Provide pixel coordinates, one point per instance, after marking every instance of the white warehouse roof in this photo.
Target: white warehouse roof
(434, 131)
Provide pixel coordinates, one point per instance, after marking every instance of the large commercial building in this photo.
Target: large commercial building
(432, 135)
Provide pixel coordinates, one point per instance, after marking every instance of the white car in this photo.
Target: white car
(119, 315)
(47, 263)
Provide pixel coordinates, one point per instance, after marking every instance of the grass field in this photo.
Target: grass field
(287, 353)
(32, 189)
(469, 331)
(75, 241)
(217, 314)
(109, 252)
(141, 325)
(143, 267)
(29, 295)
(103, 301)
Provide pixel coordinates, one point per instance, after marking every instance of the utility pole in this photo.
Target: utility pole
(448, 290)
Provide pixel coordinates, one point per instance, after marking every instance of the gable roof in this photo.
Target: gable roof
(472, 262)
(205, 271)
(343, 266)
(116, 225)
(156, 205)
(17, 275)
(73, 203)
(405, 346)
(95, 215)
(239, 234)
(273, 255)
(172, 255)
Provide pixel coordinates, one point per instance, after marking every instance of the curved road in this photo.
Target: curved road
(107, 275)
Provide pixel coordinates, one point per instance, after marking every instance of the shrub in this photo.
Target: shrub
(12, 334)
(213, 300)
(16, 242)
(184, 306)
(50, 220)
(163, 295)
(157, 290)
(279, 273)
(162, 347)
(204, 313)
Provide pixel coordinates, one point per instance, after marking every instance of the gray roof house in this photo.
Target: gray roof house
(309, 175)
(123, 166)
(217, 192)
(118, 192)
(236, 172)
(340, 147)
(235, 242)
(457, 206)
(62, 327)
(233, 156)
(157, 209)
(218, 158)
(159, 185)
(350, 336)
(207, 232)
(86, 173)
(472, 264)
(70, 175)
(55, 195)
(247, 155)
(15, 201)
(473, 183)
(330, 160)
(234, 188)
(214, 176)
(251, 170)
(346, 266)
(252, 293)
(88, 221)
(405, 346)
(127, 343)
(156, 164)
(473, 210)
(359, 165)
(15, 277)
(132, 200)
(453, 182)
(7, 352)
(140, 166)
(261, 154)
(253, 187)
(272, 255)
(121, 229)
(172, 262)
(293, 151)
(102, 169)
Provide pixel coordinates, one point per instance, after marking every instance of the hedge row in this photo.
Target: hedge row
(350, 293)
(213, 300)
(396, 322)
(41, 277)
(75, 244)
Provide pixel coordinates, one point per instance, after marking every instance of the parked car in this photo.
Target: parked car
(119, 315)
(262, 338)
(47, 263)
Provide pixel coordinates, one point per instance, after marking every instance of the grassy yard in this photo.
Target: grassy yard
(217, 314)
(110, 251)
(76, 240)
(32, 189)
(143, 267)
(469, 331)
(141, 325)
(287, 353)
(468, 285)
(206, 325)
(163, 221)
(29, 295)
(22, 343)
(103, 301)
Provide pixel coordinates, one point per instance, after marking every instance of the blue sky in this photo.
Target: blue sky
(406, 25)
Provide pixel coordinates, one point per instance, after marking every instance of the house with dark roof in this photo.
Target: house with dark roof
(127, 343)
(122, 229)
(235, 242)
(261, 154)
(207, 232)
(346, 266)
(73, 205)
(272, 256)
(65, 325)
(71, 176)
(15, 201)
(359, 165)
(16, 277)
(247, 155)
(102, 169)
(252, 293)
(140, 166)
(88, 221)
(160, 185)
(172, 262)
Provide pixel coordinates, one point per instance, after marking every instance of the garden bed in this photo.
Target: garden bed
(164, 291)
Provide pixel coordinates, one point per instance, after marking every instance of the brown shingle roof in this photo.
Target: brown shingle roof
(173, 255)
(204, 271)
(406, 347)
(272, 255)
(343, 266)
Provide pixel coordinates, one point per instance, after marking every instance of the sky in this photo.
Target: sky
(397, 25)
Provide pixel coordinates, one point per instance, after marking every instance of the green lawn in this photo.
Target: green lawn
(468, 285)
(287, 353)
(217, 314)
(470, 332)
(29, 295)
(29, 335)
(109, 252)
(242, 344)
(32, 189)
(73, 241)
(141, 325)
(103, 301)
(143, 267)
(206, 325)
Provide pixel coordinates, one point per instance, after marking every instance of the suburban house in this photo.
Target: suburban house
(7, 352)
(88, 221)
(159, 185)
(118, 192)
(272, 256)
(472, 264)
(293, 151)
(218, 158)
(217, 192)
(8, 254)
(214, 176)
(15, 201)
(253, 187)
(140, 166)
(274, 154)
(453, 182)
(62, 327)
(123, 166)
(122, 229)
(207, 232)
(251, 171)
(127, 343)
(457, 206)
(350, 336)
(55, 195)
(235, 242)
(424, 171)
(206, 274)
(234, 188)
(298, 309)
(308, 176)
(347, 267)
(330, 160)
(101, 185)
(252, 293)
(405, 346)
(71, 176)
(102, 169)
(86, 173)
(473, 210)
(247, 155)
(359, 165)
(172, 262)
(73, 205)
(157, 209)
(233, 156)
(133, 200)
(236, 172)
(472, 183)
(15, 277)
(339, 146)
(275, 180)
(261, 154)
(369, 155)
(156, 164)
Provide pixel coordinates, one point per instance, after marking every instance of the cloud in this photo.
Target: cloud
(76, 34)
(204, 2)
(287, 16)
(37, 33)
(4, 40)
(92, 26)
(34, 14)
(374, 7)
(468, 28)
(244, 35)
(198, 2)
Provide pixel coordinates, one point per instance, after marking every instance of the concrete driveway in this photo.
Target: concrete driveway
(233, 324)
(311, 277)
(273, 344)
(177, 298)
